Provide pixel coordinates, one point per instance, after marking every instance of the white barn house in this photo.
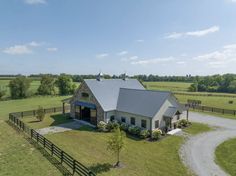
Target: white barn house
(125, 100)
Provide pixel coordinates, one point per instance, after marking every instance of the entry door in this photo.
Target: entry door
(85, 114)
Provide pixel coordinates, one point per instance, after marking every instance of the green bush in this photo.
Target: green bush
(156, 134)
(135, 130)
(111, 125)
(182, 123)
(144, 134)
(124, 126)
(102, 126)
(40, 114)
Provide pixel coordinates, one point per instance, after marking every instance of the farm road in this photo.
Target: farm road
(198, 152)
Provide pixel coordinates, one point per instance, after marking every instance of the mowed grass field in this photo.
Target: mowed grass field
(17, 156)
(226, 156)
(212, 101)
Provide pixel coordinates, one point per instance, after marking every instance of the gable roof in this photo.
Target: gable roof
(142, 102)
(107, 91)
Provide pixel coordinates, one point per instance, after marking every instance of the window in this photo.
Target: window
(123, 119)
(178, 117)
(143, 123)
(132, 121)
(157, 124)
(112, 118)
(84, 95)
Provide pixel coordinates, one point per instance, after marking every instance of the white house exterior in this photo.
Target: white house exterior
(125, 100)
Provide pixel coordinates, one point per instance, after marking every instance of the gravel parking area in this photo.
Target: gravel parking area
(198, 153)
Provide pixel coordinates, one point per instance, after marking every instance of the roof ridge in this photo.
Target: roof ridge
(162, 91)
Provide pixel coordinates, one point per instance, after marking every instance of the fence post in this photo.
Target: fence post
(62, 156)
(23, 126)
(37, 137)
(31, 133)
(212, 109)
(44, 142)
(202, 108)
(73, 167)
(234, 112)
(223, 111)
(52, 148)
(54, 109)
(22, 114)
(34, 112)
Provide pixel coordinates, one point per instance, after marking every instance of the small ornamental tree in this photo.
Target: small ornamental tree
(40, 114)
(116, 143)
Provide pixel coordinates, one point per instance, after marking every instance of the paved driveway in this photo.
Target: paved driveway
(198, 151)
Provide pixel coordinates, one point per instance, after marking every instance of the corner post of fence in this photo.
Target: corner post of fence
(74, 163)
(62, 156)
(91, 173)
(52, 149)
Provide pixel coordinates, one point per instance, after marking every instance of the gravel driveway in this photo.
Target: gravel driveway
(198, 153)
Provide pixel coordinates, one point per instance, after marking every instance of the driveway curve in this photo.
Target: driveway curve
(198, 152)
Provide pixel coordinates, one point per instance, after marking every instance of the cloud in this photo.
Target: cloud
(152, 61)
(102, 55)
(181, 62)
(199, 33)
(122, 53)
(34, 44)
(34, 2)
(18, 50)
(131, 58)
(52, 49)
(219, 58)
(139, 40)
(233, 1)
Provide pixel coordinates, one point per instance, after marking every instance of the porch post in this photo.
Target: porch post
(151, 128)
(187, 114)
(63, 108)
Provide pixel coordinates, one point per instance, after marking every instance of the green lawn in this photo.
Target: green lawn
(17, 156)
(169, 86)
(226, 156)
(49, 120)
(197, 128)
(139, 157)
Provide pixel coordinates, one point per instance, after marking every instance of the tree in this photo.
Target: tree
(65, 85)
(19, 87)
(40, 114)
(232, 87)
(116, 143)
(2, 92)
(47, 86)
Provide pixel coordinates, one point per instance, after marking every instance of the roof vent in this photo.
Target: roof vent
(99, 76)
(124, 76)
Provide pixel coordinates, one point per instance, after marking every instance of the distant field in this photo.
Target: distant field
(178, 87)
(170, 86)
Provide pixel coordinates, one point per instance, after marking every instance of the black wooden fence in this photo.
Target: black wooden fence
(212, 109)
(73, 166)
(206, 94)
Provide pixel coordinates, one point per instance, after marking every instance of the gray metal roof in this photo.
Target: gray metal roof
(143, 102)
(170, 112)
(106, 91)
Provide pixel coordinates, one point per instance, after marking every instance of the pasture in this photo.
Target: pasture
(17, 156)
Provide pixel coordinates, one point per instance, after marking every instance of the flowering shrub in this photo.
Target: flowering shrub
(156, 134)
(102, 126)
(182, 123)
(144, 134)
(111, 125)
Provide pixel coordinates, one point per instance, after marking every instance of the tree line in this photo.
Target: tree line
(20, 86)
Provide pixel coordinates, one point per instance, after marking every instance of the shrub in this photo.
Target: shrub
(40, 114)
(156, 134)
(124, 126)
(231, 102)
(111, 125)
(135, 130)
(144, 134)
(102, 126)
(182, 123)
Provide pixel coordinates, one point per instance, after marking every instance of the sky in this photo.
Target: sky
(163, 37)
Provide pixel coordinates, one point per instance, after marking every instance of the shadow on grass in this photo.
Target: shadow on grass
(99, 168)
(136, 138)
(51, 159)
(59, 119)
